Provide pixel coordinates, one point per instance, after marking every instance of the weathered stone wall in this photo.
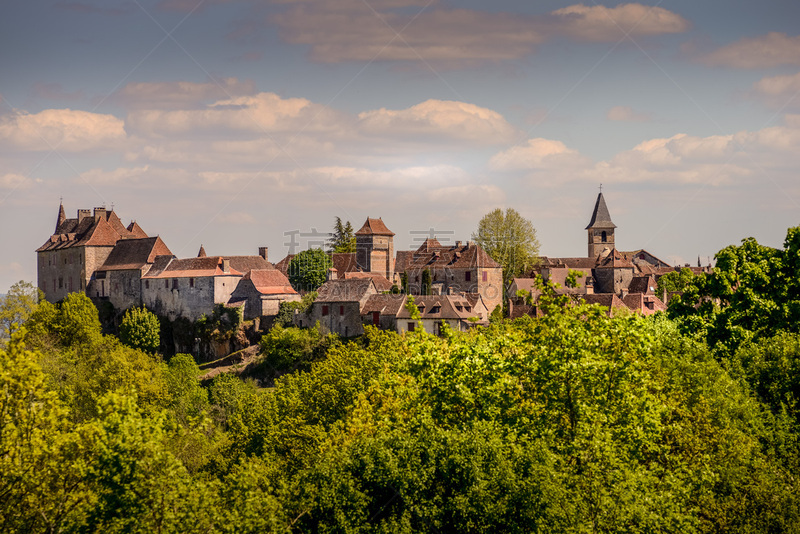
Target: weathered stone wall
(179, 297)
(125, 288)
(343, 318)
(61, 272)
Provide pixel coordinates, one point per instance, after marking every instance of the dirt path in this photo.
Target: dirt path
(232, 363)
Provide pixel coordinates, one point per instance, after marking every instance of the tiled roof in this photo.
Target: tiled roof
(202, 252)
(403, 259)
(374, 227)
(464, 256)
(600, 215)
(383, 304)
(614, 259)
(441, 307)
(344, 262)
(381, 283)
(244, 264)
(634, 255)
(344, 290)
(645, 304)
(642, 284)
(610, 301)
(283, 265)
(134, 253)
(135, 230)
(104, 231)
(194, 267)
(429, 245)
(578, 264)
(270, 282)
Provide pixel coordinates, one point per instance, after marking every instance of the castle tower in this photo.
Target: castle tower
(601, 229)
(375, 248)
(61, 217)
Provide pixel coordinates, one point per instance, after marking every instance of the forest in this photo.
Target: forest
(572, 422)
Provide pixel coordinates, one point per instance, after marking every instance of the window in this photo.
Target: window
(325, 309)
(341, 310)
(485, 275)
(174, 283)
(191, 282)
(60, 283)
(411, 326)
(376, 318)
(147, 284)
(436, 309)
(467, 276)
(166, 284)
(603, 236)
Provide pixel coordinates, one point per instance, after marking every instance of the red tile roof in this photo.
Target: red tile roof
(381, 283)
(134, 253)
(270, 282)
(191, 267)
(469, 255)
(374, 227)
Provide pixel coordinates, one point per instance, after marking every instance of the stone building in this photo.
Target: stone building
(261, 292)
(67, 261)
(459, 312)
(338, 306)
(375, 248)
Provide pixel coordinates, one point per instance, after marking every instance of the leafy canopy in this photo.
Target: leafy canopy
(140, 329)
(510, 239)
(309, 269)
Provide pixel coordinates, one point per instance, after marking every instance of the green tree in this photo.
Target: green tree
(16, 307)
(510, 240)
(309, 269)
(426, 282)
(140, 329)
(343, 238)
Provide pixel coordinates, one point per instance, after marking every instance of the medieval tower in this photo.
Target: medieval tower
(375, 248)
(601, 229)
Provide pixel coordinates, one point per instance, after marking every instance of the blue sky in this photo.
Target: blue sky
(233, 123)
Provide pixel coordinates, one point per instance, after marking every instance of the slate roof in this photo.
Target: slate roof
(600, 215)
(381, 283)
(344, 290)
(270, 282)
(134, 253)
(374, 227)
(190, 267)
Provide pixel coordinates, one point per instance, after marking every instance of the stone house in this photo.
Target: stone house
(459, 312)
(381, 310)
(338, 306)
(375, 248)
(67, 261)
(261, 291)
(188, 288)
(119, 279)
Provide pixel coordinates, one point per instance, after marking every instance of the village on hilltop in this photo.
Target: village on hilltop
(97, 254)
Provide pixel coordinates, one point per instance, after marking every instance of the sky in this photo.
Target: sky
(237, 124)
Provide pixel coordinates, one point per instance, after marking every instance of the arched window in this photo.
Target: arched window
(604, 237)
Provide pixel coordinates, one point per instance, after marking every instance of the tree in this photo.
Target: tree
(510, 240)
(309, 269)
(426, 282)
(77, 321)
(342, 239)
(140, 329)
(16, 307)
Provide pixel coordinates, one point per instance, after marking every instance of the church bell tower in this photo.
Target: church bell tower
(601, 229)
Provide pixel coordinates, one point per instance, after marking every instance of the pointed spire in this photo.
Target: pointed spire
(61, 216)
(202, 252)
(600, 215)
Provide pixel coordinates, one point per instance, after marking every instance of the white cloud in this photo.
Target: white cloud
(600, 23)
(779, 91)
(454, 120)
(537, 154)
(15, 181)
(61, 129)
(771, 50)
(237, 217)
(627, 114)
(119, 176)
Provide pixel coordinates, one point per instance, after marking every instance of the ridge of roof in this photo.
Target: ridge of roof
(374, 227)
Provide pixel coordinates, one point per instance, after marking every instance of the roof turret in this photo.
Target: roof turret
(600, 216)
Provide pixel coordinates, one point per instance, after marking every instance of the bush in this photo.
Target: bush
(140, 330)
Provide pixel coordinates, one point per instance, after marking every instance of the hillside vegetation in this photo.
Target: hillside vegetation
(575, 422)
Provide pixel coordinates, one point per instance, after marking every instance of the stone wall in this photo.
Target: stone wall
(61, 272)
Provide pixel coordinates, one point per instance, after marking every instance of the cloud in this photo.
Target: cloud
(15, 181)
(181, 95)
(124, 176)
(779, 91)
(61, 129)
(263, 113)
(537, 154)
(351, 30)
(627, 114)
(237, 218)
(766, 51)
(453, 120)
(601, 24)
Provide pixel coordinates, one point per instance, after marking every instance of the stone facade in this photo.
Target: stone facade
(375, 248)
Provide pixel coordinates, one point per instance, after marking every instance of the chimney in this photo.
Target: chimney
(226, 265)
(458, 244)
(99, 212)
(82, 214)
(264, 253)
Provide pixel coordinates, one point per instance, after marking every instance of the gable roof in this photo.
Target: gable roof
(642, 284)
(441, 307)
(341, 290)
(135, 230)
(463, 256)
(600, 215)
(103, 229)
(189, 267)
(134, 253)
(578, 264)
(374, 227)
(383, 304)
(244, 264)
(614, 259)
(270, 282)
(381, 283)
